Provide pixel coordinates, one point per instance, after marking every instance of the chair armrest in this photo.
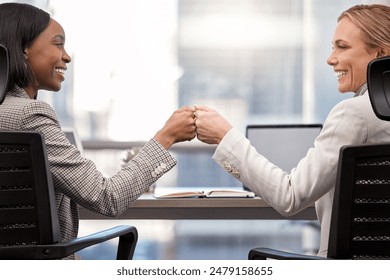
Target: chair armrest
(264, 253)
(128, 237)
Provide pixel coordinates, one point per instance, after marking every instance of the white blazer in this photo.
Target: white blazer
(352, 121)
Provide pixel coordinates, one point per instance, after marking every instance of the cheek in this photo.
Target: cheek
(42, 73)
(360, 72)
(358, 77)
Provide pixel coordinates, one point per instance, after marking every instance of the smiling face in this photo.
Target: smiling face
(47, 59)
(350, 56)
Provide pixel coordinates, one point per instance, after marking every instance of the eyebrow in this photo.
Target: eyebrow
(339, 41)
(61, 37)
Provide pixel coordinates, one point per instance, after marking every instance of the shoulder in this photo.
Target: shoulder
(359, 106)
(17, 102)
(350, 121)
(37, 108)
(29, 111)
(362, 101)
(38, 105)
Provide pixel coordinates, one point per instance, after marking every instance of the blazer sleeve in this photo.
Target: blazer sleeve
(78, 177)
(290, 191)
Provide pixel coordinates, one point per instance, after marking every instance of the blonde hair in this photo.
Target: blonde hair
(374, 22)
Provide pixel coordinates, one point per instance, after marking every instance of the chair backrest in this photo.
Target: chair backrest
(360, 225)
(28, 213)
(378, 82)
(4, 71)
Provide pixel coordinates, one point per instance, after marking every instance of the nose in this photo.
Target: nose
(332, 59)
(66, 57)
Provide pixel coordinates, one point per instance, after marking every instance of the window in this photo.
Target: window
(134, 62)
(256, 61)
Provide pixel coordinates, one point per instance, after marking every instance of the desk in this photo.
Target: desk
(149, 208)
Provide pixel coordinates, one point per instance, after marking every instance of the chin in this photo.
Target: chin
(341, 90)
(56, 88)
(344, 89)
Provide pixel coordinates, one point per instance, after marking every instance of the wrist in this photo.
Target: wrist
(163, 139)
(223, 133)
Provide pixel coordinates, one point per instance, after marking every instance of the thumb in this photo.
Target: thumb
(202, 108)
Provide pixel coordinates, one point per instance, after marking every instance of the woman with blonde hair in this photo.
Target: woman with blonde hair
(362, 34)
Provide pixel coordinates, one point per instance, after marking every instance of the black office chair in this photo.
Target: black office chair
(4, 69)
(378, 81)
(360, 223)
(29, 227)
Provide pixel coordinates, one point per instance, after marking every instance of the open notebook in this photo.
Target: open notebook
(201, 193)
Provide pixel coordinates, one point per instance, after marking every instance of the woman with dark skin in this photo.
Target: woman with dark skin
(38, 60)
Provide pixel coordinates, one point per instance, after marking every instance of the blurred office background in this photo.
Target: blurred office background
(136, 61)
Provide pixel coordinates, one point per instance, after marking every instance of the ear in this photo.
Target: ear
(382, 52)
(25, 53)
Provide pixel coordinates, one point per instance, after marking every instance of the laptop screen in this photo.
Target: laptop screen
(73, 138)
(283, 145)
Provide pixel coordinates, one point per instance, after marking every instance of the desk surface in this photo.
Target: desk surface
(149, 208)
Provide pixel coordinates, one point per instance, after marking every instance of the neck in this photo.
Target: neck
(33, 93)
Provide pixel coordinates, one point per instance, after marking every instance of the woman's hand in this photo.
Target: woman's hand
(178, 128)
(211, 127)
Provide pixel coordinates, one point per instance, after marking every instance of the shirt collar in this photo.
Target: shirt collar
(361, 90)
(18, 92)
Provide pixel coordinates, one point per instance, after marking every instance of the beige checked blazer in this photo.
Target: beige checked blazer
(76, 179)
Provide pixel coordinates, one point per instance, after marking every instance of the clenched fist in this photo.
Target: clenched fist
(178, 128)
(211, 127)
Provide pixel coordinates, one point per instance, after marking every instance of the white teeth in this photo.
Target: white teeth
(340, 74)
(60, 71)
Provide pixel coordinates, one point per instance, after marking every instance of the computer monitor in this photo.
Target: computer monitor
(73, 138)
(283, 145)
